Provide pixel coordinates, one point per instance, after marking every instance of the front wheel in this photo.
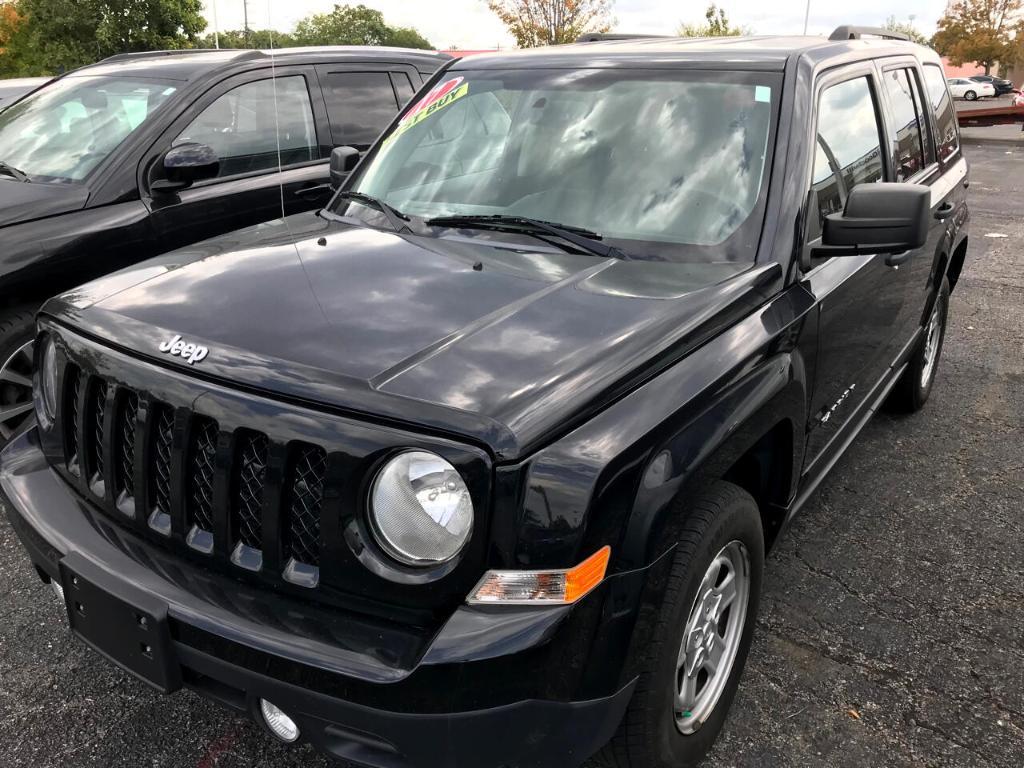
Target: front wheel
(692, 666)
(970, 95)
(17, 331)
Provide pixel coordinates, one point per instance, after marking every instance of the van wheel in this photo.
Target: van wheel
(692, 666)
(17, 336)
(915, 385)
(970, 95)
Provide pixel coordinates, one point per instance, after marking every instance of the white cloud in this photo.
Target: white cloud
(468, 24)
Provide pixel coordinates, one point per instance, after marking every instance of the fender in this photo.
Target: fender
(613, 480)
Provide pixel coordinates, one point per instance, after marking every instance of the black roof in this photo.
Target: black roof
(754, 52)
(191, 64)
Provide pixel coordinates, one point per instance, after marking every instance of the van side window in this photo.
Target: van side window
(904, 124)
(848, 150)
(947, 140)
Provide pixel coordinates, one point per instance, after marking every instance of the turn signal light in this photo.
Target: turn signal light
(558, 587)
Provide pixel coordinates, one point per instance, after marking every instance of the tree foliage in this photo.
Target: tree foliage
(552, 22)
(58, 35)
(10, 20)
(261, 39)
(980, 30)
(905, 28)
(717, 24)
(355, 25)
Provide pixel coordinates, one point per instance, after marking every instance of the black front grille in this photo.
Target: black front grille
(202, 453)
(95, 409)
(159, 469)
(249, 488)
(72, 394)
(181, 493)
(308, 469)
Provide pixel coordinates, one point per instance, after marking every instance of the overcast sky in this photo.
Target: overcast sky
(468, 24)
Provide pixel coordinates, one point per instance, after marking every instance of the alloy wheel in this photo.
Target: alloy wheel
(711, 639)
(16, 390)
(933, 336)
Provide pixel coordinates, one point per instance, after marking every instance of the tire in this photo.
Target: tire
(17, 331)
(970, 95)
(915, 385)
(654, 733)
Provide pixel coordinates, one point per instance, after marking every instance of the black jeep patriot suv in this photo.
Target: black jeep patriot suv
(478, 466)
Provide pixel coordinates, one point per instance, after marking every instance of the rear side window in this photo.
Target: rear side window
(848, 150)
(240, 126)
(904, 123)
(360, 105)
(947, 140)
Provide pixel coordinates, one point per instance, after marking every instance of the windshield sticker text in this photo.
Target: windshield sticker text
(439, 97)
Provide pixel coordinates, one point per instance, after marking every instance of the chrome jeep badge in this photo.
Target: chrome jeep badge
(190, 353)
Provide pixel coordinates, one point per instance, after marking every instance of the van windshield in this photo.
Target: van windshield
(64, 130)
(665, 164)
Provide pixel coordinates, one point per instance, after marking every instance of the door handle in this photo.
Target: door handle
(313, 191)
(895, 259)
(944, 211)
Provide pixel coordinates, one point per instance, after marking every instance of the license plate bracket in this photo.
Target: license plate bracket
(120, 621)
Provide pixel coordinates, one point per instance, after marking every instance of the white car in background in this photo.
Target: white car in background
(962, 88)
(12, 90)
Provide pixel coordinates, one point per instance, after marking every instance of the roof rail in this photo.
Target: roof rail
(148, 54)
(847, 32)
(596, 37)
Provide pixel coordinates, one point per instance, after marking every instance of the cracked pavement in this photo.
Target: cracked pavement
(892, 624)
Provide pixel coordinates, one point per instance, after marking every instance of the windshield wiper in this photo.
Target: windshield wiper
(395, 217)
(583, 239)
(13, 172)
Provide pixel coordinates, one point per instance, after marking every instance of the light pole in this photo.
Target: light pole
(807, 15)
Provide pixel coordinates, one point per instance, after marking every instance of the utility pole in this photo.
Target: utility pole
(807, 15)
(245, 15)
(216, 26)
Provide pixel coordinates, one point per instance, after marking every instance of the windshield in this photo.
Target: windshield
(666, 164)
(63, 131)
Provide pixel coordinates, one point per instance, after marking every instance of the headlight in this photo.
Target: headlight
(48, 379)
(420, 509)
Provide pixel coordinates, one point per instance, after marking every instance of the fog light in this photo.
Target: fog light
(278, 722)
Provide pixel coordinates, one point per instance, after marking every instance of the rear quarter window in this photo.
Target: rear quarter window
(947, 140)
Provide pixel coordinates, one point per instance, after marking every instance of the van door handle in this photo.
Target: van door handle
(944, 211)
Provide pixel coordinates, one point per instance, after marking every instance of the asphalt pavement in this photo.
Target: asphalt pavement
(892, 627)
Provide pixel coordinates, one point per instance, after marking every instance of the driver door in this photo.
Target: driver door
(247, 120)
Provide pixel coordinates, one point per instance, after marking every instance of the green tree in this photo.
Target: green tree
(355, 25)
(717, 24)
(58, 35)
(261, 39)
(905, 28)
(552, 22)
(980, 30)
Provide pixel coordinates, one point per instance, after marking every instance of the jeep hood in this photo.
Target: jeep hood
(25, 201)
(459, 334)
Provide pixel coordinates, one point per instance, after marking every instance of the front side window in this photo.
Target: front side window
(667, 165)
(904, 125)
(947, 140)
(63, 131)
(247, 125)
(848, 150)
(360, 105)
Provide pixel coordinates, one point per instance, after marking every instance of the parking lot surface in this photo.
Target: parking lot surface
(891, 629)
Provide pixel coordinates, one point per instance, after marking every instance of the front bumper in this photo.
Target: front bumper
(495, 687)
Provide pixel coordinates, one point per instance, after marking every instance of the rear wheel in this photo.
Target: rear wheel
(970, 95)
(17, 333)
(692, 666)
(915, 385)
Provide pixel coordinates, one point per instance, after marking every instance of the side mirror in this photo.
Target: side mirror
(879, 218)
(186, 164)
(343, 160)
